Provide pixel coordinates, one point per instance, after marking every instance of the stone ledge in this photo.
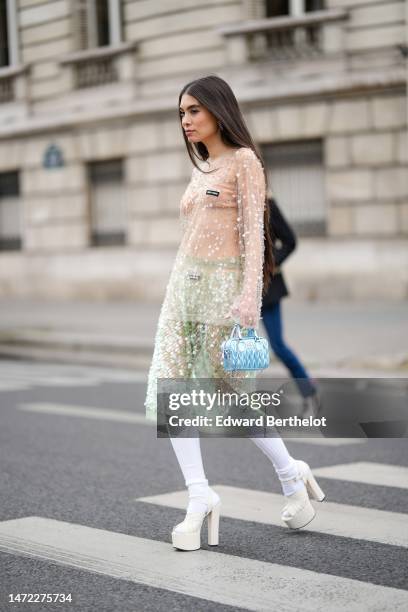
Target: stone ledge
(76, 347)
(12, 71)
(282, 23)
(328, 86)
(97, 53)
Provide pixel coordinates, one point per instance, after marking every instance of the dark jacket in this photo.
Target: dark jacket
(280, 230)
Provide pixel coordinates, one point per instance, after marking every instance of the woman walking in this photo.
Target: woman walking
(223, 262)
(271, 311)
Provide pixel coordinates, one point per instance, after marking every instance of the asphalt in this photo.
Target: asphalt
(97, 473)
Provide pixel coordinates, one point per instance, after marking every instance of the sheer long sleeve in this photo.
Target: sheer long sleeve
(251, 204)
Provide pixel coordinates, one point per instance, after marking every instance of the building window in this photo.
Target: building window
(295, 8)
(296, 178)
(277, 8)
(289, 42)
(9, 51)
(314, 5)
(10, 227)
(108, 212)
(97, 23)
(4, 37)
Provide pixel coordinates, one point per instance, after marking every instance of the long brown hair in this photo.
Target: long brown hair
(217, 96)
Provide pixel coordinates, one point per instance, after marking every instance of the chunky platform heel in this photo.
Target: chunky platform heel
(187, 534)
(213, 525)
(298, 511)
(313, 488)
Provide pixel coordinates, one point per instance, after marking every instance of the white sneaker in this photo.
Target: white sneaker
(298, 511)
(187, 534)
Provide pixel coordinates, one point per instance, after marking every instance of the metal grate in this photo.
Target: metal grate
(108, 203)
(6, 89)
(297, 41)
(296, 178)
(94, 72)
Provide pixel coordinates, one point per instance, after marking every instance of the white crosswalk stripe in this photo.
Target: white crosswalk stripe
(23, 375)
(9, 385)
(86, 412)
(332, 518)
(217, 577)
(122, 416)
(367, 472)
(327, 441)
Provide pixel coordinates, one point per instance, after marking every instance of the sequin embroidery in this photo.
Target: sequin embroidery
(219, 262)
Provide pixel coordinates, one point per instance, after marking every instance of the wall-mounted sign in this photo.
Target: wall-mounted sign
(53, 157)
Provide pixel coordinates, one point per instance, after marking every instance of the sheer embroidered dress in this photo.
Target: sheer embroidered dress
(219, 261)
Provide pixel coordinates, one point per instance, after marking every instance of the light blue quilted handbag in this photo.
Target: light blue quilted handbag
(250, 352)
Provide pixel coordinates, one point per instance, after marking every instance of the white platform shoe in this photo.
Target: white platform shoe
(298, 511)
(187, 534)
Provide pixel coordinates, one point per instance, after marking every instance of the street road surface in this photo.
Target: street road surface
(89, 495)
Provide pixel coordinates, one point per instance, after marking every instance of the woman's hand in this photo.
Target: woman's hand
(245, 310)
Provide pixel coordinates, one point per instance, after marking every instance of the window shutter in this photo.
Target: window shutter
(85, 24)
(255, 9)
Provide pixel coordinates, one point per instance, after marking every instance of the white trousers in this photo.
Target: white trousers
(188, 453)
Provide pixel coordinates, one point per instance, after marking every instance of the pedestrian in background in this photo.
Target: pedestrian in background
(283, 235)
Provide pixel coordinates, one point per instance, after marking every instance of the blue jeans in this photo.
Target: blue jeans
(272, 321)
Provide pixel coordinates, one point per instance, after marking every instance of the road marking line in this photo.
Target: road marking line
(14, 386)
(56, 381)
(327, 441)
(331, 518)
(368, 473)
(214, 576)
(31, 371)
(120, 416)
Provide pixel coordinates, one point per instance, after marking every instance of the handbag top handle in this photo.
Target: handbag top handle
(237, 330)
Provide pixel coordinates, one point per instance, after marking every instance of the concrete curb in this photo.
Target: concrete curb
(132, 352)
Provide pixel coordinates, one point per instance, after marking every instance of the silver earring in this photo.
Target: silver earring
(220, 125)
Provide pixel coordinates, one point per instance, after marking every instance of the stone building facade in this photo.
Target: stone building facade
(93, 163)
